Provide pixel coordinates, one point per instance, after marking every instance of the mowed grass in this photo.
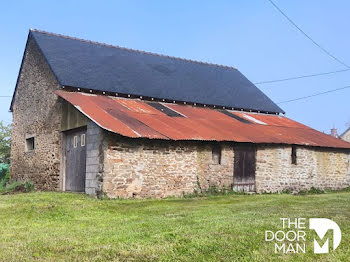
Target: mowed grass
(75, 227)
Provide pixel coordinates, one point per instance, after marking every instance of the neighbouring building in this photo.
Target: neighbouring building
(106, 120)
(346, 135)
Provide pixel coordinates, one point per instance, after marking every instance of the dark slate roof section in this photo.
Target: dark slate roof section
(90, 65)
(164, 109)
(235, 117)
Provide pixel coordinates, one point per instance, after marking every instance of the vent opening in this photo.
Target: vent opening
(294, 155)
(30, 144)
(216, 154)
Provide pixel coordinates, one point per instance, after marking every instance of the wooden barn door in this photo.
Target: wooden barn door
(244, 168)
(75, 154)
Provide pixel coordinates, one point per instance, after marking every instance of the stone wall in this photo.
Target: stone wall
(156, 168)
(94, 159)
(319, 168)
(36, 112)
(211, 174)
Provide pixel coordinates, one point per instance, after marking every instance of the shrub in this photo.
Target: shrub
(4, 169)
(4, 174)
(312, 190)
(347, 189)
(212, 191)
(28, 186)
(287, 191)
(17, 187)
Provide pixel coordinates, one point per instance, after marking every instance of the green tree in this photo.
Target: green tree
(5, 143)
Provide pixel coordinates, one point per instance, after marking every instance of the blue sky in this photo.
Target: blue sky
(250, 35)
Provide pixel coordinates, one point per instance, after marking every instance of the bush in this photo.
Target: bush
(312, 190)
(28, 186)
(212, 191)
(5, 143)
(17, 187)
(4, 169)
(4, 174)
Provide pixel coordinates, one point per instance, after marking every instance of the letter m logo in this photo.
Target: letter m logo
(321, 226)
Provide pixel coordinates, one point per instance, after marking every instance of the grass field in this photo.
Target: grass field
(75, 227)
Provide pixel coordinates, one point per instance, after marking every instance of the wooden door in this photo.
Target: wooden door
(244, 168)
(75, 154)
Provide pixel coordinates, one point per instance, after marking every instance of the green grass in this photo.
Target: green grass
(75, 227)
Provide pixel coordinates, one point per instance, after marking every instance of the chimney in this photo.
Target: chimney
(334, 132)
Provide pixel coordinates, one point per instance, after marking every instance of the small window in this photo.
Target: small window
(30, 144)
(216, 154)
(75, 142)
(294, 155)
(82, 140)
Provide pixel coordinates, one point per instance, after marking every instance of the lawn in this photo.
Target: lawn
(75, 227)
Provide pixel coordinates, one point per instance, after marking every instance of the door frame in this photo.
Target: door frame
(254, 147)
(63, 164)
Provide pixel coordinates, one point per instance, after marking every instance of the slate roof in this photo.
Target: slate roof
(136, 118)
(90, 65)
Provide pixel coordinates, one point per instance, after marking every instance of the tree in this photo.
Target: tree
(5, 143)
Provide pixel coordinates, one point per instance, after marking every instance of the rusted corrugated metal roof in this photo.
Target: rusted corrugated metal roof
(136, 118)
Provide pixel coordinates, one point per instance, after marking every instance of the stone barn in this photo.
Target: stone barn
(106, 120)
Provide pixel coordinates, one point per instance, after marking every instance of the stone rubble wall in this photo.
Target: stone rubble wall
(211, 174)
(36, 111)
(319, 168)
(155, 168)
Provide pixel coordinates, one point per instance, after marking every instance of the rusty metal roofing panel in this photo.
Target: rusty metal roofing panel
(206, 132)
(273, 120)
(136, 118)
(163, 125)
(197, 112)
(99, 110)
(137, 106)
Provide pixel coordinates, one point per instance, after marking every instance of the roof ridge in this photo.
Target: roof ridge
(131, 49)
